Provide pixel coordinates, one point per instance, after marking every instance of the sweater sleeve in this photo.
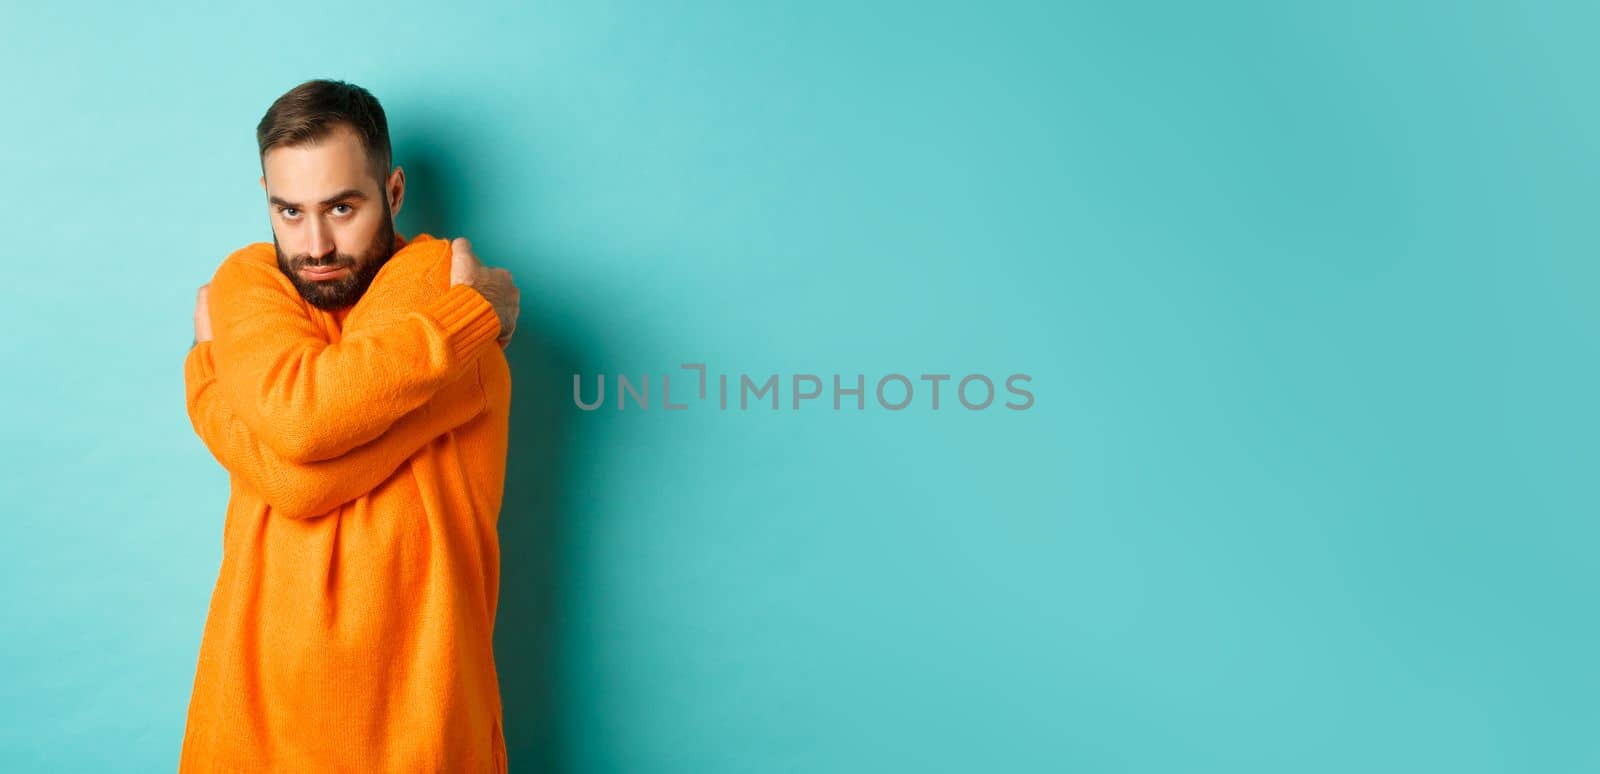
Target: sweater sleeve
(299, 490)
(308, 400)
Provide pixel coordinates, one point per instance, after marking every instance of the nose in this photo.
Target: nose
(319, 240)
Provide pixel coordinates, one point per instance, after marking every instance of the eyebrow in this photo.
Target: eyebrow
(348, 193)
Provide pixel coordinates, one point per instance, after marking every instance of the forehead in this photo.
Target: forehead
(311, 171)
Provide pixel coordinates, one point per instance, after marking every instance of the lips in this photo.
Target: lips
(322, 272)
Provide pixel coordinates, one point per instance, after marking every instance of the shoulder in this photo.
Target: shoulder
(423, 257)
(255, 254)
(252, 259)
(254, 265)
(409, 281)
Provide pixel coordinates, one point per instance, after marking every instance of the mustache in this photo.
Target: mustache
(325, 263)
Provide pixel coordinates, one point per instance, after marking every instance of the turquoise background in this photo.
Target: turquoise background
(1307, 295)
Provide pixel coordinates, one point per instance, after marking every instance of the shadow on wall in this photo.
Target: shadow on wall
(532, 529)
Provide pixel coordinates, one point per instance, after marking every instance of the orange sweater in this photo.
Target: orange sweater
(351, 625)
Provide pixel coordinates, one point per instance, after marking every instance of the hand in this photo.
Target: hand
(202, 315)
(495, 285)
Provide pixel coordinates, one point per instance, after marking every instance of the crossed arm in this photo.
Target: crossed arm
(309, 424)
(300, 490)
(309, 400)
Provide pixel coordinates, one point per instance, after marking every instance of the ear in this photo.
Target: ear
(263, 182)
(396, 190)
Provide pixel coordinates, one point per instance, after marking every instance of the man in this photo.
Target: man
(350, 382)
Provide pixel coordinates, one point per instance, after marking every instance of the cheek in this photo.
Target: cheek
(290, 240)
(361, 230)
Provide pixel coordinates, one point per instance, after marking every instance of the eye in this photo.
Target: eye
(287, 212)
(346, 206)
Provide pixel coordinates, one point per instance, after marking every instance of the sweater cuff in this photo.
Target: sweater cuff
(468, 319)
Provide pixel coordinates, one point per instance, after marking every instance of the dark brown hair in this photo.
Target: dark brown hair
(312, 110)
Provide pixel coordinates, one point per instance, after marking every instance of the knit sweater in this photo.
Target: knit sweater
(350, 628)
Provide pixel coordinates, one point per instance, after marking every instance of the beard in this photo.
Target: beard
(344, 291)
